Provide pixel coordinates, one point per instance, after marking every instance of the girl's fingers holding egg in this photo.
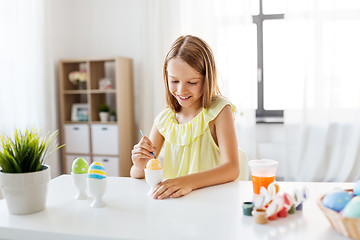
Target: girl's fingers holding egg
(177, 194)
(181, 192)
(168, 192)
(165, 192)
(160, 188)
(163, 186)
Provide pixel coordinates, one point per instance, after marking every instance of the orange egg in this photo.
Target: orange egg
(153, 164)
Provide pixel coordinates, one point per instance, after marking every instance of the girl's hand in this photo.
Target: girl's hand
(173, 188)
(141, 153)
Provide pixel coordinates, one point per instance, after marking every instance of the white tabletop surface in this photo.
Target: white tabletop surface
(209, 213)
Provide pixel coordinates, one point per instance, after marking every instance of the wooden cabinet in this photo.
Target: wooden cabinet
(82, 132)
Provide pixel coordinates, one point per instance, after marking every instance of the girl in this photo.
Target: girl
(197, 127)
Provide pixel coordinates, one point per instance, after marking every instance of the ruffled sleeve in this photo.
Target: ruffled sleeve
(184, 134)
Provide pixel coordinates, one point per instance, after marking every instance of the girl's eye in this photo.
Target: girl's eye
(174, 81)
(192, 83)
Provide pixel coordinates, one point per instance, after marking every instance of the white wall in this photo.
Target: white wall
(270, 144)
(95, 28)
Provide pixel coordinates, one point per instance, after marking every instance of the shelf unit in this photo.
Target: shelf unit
(107, 142)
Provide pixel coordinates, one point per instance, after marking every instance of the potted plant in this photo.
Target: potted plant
(24, 177)
(112, 116)
(104, 112)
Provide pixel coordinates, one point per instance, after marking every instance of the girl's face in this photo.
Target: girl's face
(185, 84)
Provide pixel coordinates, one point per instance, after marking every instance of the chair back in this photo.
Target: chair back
(244, 167)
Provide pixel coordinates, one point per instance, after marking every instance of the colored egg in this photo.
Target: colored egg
(80, 166)
(357, 188)
(153, 164)
(336, 200)
(352, 209)
(97, 171)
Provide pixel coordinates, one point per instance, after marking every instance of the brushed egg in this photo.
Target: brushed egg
(97, 171)
(357, 188)
(352, 209)
(153, 164)
(80, 166)
(336, 199)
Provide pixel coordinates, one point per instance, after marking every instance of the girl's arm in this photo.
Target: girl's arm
(226, 172)
(140, 154)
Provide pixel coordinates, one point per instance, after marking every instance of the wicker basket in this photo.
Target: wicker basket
(349, 227)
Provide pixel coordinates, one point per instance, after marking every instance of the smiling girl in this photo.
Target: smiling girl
(197, 127)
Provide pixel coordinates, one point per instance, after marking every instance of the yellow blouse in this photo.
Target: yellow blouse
(190, 148)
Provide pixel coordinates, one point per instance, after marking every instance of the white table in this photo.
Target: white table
(209, 213)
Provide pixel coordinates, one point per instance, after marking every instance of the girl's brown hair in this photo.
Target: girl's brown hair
(197, 54)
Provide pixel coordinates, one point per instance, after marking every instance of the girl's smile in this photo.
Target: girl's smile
(185, 84)
(184, 98)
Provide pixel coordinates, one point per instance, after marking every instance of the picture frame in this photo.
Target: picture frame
(80, 112)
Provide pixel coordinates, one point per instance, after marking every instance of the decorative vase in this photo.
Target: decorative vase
(82, 85)
(25, 193)
(104, 116)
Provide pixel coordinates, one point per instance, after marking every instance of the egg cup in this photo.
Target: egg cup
(79, 181)
(97, 189)
(153, 178)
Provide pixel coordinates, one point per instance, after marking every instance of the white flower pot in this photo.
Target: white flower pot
(104, 116)
(112, 118)
(25, 193)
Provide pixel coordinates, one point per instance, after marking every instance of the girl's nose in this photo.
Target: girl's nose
(181, 88)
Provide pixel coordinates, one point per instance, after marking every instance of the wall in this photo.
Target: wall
(270, 143)
(94, 28)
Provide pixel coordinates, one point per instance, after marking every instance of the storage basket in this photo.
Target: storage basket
(349, 227)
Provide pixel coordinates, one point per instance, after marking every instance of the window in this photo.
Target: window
(269, 20)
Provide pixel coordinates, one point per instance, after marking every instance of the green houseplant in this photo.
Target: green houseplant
(104, 108)
(104, 112)
(112, 116)
(24, 177)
